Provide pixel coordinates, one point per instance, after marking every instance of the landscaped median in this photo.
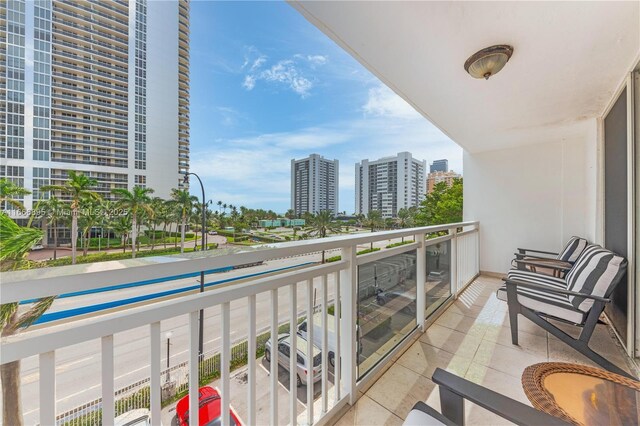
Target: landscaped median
(103, 257)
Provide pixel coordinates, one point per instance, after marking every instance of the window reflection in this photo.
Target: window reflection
(386, 306)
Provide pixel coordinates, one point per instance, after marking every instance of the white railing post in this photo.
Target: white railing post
(48, 388)
(349, 298)
(108, 407)
(293, 356)
(310, 345)
(194, 370)
(336, 319)
(155, 351)
(421, 278)
(274, 357)
(225, 358)
(325, 346)
(454, 263)
(251, 357)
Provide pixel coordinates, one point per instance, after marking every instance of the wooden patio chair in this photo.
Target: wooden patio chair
(578, 299)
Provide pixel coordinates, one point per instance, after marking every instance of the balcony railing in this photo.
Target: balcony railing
(365, 311)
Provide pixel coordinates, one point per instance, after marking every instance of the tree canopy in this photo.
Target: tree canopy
(442, 205)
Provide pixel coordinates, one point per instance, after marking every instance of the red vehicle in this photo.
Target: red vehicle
(209, 414)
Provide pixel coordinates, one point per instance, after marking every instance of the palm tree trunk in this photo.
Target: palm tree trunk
(175, 238)
(184, 224)
(55, 240)
(74, 234)
(11, 400)
(164, 234)
(86, 242)
(134, 231)
(11, 385)
(153, 237)
(124, 243)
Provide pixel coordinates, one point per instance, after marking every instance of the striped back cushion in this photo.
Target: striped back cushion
(573, 249)
(596, 272)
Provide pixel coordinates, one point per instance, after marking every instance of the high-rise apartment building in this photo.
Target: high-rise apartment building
(98, 87)
(437, 177)
(314, 185)
(439, 166)
(389, 184)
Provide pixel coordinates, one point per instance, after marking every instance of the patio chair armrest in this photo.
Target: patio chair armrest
(542, 265)
(505, 407)
(429, 411)
(534, 256)
(525, 250)
(554, 290)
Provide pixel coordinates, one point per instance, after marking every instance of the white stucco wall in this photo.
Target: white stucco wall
(534, 196)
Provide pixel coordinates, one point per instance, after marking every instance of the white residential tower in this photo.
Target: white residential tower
(389, 184)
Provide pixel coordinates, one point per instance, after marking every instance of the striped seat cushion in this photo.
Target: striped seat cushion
(597, 271)
(546, 302)
(575, 246)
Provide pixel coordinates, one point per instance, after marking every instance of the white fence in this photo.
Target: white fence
(340, 279)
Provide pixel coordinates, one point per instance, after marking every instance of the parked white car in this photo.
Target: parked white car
(138, 417)
(331, 334)
(284, 351)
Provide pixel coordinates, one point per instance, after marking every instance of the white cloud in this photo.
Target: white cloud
(317, 59)
(383, 101)
(292, 73)
(249, 82)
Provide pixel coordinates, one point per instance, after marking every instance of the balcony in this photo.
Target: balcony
(256, 305)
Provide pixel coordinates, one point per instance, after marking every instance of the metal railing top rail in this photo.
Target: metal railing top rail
(37, 283)
(28, 344)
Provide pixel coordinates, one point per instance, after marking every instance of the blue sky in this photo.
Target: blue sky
(267, 86)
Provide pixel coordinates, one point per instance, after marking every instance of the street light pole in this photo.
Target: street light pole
(201, 319)
(168, 336)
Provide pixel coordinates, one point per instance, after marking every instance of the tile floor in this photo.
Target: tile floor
(471, 339)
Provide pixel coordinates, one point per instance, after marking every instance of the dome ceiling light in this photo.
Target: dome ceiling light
(488, 61)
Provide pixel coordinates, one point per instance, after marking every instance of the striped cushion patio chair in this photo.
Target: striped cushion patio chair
(550, 263)
(578, 298)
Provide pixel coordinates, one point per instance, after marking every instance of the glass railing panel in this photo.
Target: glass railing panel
(386, 306)
(438, 279)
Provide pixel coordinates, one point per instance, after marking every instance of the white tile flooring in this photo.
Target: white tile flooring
(471, 339)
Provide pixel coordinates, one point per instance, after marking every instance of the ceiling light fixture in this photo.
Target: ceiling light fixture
(488, 61)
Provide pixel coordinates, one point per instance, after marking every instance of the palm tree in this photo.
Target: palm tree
(8, 190)
(122, 226)
(55, 211)
(290, 214)
(321, 224)
(157, 205)
(135, 201)
(219, 205)
(184, 203)
(15, 243)
(78, 187)
(372, 221)
(405, 218)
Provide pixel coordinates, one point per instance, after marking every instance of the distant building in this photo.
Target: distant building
(439, 166)
(389, 184)
(314, 185)
(437, 177)
(96, 87)
(280, 222)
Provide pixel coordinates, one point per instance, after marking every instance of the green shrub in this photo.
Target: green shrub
(369, 250)
(400, 243)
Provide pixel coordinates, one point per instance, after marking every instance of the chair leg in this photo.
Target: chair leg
(513, 322)
(514, 309)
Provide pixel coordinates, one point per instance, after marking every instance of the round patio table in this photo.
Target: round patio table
(582, 395)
